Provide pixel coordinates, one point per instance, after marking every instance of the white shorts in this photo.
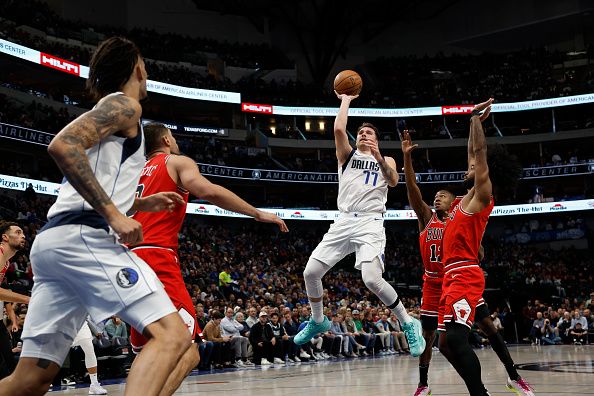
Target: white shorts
(83, 334)
(80, 270)
(363, 234)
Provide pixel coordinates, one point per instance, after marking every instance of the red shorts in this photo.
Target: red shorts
(165, 263)
(462, 292)
(432, 288)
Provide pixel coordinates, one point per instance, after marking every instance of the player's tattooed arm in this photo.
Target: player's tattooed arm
(112, 114)
(388, 168)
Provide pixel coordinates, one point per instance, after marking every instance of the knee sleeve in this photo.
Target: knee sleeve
(313, 273)
(90, 357)
(457, 338)
(371, 273)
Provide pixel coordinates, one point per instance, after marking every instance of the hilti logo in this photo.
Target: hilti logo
(59, 64)
(256, 108)
(462, 109)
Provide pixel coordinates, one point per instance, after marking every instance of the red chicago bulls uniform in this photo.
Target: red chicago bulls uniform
(159, 247)
(464, 282)
(430, 245)
(4, 267)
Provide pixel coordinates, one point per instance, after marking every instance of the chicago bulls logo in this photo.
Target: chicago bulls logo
(462, 311)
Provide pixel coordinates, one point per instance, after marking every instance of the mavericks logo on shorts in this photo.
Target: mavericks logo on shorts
(127, 277)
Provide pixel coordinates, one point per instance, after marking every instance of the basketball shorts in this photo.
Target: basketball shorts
(462, 293)
(361, 233)
(78, 271)
(165, 263)
(432, 289)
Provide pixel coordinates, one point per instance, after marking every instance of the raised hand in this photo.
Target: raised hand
(344, 96)
(485, 107)
(407, 146)
(374, 148)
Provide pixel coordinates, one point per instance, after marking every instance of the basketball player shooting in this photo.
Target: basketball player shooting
(77, 259)
(167, 171)
(364, 176)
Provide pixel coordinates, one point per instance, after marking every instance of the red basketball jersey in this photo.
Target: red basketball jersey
(463, 235)
(4, 267)
(430, 244)
(160, 228)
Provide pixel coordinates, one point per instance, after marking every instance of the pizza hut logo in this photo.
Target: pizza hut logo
(256, 108)
(201, 209)
(297, 215)
(558, 207)
(461, 109)
(59, 64)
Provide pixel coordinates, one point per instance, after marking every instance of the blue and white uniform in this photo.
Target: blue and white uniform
(78, 265)
(359, 228)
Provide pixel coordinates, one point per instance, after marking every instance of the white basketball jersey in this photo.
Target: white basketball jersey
(361, 185)
(117, 163)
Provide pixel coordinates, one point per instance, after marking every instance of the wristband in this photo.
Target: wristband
(475, 113)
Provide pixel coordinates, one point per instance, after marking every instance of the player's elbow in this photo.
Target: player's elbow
(393, 183)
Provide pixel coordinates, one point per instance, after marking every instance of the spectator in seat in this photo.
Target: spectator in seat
(578, 318)
(212, 332)
(201, 317)
(239, 344)
(252, 317)
(400, 343)
(578, 334)
(278, 338)
(536, 330)
(225, 281)
(239, 317)
(262, 348)
(367, 339)
(292, 328)
(550, 335)
(116, 328)
(563, 327)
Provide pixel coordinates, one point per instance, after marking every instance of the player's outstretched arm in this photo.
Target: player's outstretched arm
(191, 179)
(343, 147)
(10, 296)
(112, 114)
(482, 184)
(415, 198)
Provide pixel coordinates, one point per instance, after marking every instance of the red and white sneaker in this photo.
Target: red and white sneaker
(520, 387)
(423, 391)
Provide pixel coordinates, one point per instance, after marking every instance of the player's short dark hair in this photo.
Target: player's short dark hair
(504, 169)
(5, 226)
(216, 315)
(369, 125)
(153, 133)
(111, 65)
(451, 194)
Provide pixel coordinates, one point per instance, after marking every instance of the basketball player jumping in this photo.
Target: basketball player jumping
(431, 226)
(363, 179)
(167, 171)
(78, 262)
(464, 282)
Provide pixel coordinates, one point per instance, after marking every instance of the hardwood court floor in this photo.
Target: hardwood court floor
(552, 370)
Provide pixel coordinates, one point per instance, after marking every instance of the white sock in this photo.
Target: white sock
(94, 380)
(317, 311)
(401, 313)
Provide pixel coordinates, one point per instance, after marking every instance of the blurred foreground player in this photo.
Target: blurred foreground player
(78, 262)
(167, 171)
(12, 239)
(364, 176)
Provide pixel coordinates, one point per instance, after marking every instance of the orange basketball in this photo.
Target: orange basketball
(348, 82)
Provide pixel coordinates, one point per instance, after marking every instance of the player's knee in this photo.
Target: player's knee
(33, 385)
(486, 325)
(372, 282)
(310, 274)
(194, 355)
